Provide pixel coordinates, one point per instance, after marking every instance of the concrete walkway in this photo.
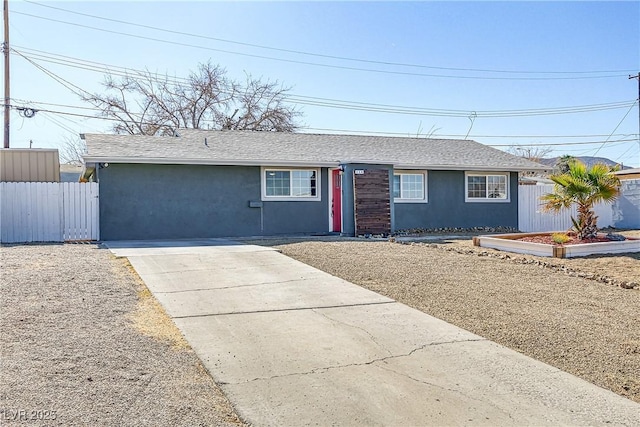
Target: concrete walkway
(291, 345)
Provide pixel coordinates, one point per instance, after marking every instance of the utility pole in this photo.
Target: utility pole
(638, 78)
(7, 94)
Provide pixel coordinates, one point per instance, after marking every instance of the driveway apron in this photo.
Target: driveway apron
(292, 345)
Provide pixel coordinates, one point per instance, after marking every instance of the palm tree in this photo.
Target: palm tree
(584, 187)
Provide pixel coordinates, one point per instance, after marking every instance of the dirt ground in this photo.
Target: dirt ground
(561, 312)
(83, 342)
(619, 267)
(83, 339)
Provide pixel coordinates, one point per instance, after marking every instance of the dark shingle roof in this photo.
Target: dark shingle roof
(292, 149)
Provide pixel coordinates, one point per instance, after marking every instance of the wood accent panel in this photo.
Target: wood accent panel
(372, 202)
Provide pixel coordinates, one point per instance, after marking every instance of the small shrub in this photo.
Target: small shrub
(560, 238)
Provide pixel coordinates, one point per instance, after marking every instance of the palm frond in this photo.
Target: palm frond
(582, 186)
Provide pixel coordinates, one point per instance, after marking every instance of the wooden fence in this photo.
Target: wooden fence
(48, 212)
(532, 218)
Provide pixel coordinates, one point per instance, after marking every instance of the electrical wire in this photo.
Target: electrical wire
(112, 70)
(617, 126)
(454, 113)
(436, 136)
(319, 55)
(29, 103)
(51, 118)
(472, 136)
(69, 86)
(316, 64)
(369, 132)
(384, 108)
(609, 143)
(32, 104)
(562, 144)
(54, 76)
(621, 156)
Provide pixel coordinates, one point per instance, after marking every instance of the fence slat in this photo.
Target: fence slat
(532, 218)
(48, 212)
(81, 209)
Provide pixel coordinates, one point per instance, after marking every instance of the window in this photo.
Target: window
(487, 187)
(409, 186)
(290, 184)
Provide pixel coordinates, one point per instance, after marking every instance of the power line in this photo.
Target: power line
(298, 52)
(564, 143)
(346, 131)
(459, 113)
(616, 128)
(54, 76)
(351, 131)
(67, 83)
(363, 106)
(316, 64)
(30, 103)
(621, 156)
(533, 136)
(88, 65)
(369, 132)
(609, 143)
(62, 126)
(24, 101)
(395, 109)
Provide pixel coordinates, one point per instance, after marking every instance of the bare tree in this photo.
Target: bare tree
(428, 134)
(260, 106)
(150, 104)
(535, 154)
(73, 148)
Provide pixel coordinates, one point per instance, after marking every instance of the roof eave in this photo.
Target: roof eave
(294, 163)
(206, 162)
(474, 168)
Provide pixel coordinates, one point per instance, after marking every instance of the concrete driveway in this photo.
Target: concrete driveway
(291, 345)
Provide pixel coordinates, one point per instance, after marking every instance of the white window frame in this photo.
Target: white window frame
(487, 199)
(425, 196)
(265, 198)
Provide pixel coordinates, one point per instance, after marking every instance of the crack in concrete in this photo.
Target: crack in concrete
(371, 336)
(348, 365)
(161, 273)
(452, 390)
(283, 309)
(236, 286)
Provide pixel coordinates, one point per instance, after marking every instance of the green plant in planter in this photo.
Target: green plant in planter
(560, 238)
(584, 187)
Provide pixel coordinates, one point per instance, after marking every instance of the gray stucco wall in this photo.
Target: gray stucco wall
(181, 201)
(446, 206)
(299, 217)
(626, 209)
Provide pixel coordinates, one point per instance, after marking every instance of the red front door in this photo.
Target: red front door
(336, 200)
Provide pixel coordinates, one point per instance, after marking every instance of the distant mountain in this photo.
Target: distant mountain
(587, 160)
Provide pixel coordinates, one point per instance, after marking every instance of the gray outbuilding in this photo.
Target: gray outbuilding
(201, 184)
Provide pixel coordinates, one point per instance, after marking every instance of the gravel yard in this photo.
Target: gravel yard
(583, 326)
(84, 343)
